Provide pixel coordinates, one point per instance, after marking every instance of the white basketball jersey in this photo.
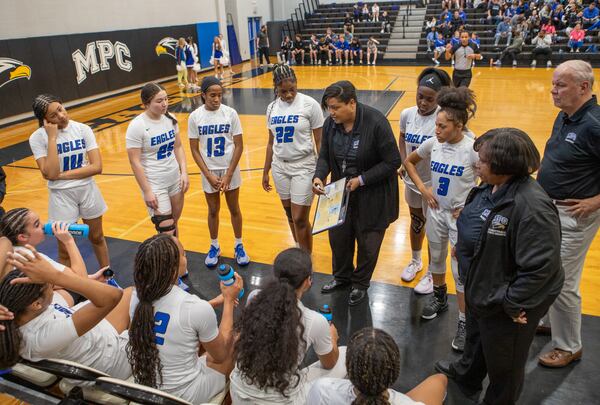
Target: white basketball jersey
(156, 140)
(73, 144)
(452, 170)
(417, 129)
(215, 131)
(181, 320)
(292, 126)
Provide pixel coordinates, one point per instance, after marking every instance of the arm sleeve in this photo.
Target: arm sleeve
(537, 259)
(321, 335)
(90, 139)
(388, 151)
(316, 115)
(134, 135)
(201, 318)
(39, 144)
(192, 128)
(322, 170)
(236, 125)
(424, 150)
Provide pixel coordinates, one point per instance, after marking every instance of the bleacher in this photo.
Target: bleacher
(332, 15)
(560, 50)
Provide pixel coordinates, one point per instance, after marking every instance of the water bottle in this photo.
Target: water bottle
(326, 312)
(74, 229)
(227, 276)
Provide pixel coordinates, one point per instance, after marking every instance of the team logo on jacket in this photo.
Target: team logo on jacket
(166, 46)
(571, 137)
(12, 69)
(498, 225)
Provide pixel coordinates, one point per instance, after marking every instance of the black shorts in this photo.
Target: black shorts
(462, 78)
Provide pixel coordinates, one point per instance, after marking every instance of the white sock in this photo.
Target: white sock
(461, 316)
(416, 255)
(215, 243)
(238, 241)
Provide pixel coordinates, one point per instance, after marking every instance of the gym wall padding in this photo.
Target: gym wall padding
(206, 35)
(53, 70)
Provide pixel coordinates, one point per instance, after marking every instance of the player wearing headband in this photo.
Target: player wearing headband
(157, 159)
(417, 124)
(293, 120)
(216, 142)
(452, 171)
(68, 157)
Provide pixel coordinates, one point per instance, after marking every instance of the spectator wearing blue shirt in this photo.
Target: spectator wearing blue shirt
(590, 15)
(455, 40)
(342, 47)
(475, 40)
(440, 48)
(503, 30)
(431, 37)
(462, 15)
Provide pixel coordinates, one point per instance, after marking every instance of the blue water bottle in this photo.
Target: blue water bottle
(326, 312)
(74, 229)
(227, 276)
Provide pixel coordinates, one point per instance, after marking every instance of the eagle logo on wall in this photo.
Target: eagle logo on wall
(12, 69)
(166, 46)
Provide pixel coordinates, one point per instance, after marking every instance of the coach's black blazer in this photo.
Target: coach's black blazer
(378, 159)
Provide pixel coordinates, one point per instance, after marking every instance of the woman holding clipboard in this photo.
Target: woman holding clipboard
(357, 144)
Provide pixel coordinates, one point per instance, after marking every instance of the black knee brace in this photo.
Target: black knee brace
(416, 223)
(288, 212)
(157, 219)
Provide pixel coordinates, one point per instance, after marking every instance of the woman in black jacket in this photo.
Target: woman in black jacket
(508, 252)
(358, 144)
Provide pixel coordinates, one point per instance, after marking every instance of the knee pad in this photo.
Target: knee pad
(288, 213)
(437, 254)
(157, 219)
(416, 223)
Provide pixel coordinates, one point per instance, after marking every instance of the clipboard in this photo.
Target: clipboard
(331, 207)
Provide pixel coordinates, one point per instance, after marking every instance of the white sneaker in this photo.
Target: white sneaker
(410, 271)
(425, 285)
(549, 64)
(533, 63)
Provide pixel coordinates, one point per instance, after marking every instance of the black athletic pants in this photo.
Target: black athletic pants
(498, 347)
(462, 78)
(263, 51)
(542, 53)
(342, 240)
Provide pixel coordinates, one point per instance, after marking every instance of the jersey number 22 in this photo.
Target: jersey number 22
(284, 134)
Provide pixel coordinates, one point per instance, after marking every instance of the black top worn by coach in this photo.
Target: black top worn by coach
(571, 164)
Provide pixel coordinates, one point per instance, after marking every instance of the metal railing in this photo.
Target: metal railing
(297, 21)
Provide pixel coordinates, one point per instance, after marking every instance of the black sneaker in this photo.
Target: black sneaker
(458, 343)
(438, 303)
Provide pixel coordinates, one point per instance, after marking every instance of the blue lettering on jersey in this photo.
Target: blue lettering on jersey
(416, 138)
(64, 310)
(445, 168)
(214, 129)
(70, 146)
(158, 139)
(285, 119)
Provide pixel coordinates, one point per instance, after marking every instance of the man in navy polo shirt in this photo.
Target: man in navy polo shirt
(570, 174)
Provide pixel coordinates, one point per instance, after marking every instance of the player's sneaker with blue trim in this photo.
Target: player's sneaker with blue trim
(241, 257)
(212, 258)
(182, 285)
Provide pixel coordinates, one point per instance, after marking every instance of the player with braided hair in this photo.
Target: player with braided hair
(453, 175)
(168, 324)
(68, 157)
(293, 120)
(373, 364)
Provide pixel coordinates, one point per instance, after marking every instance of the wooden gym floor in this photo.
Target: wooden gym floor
(506, 97)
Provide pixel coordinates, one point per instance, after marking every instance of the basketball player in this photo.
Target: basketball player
(68, 157)
(157, 159)
(453, 175)
(417, 124)
(293, 119)
(216, 142)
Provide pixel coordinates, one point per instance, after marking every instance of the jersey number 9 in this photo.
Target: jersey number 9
(165, 151)
(161, 321)
(215, 146)
(284, 134)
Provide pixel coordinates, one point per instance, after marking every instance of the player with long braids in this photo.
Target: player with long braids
(68, 157)
(295, 123)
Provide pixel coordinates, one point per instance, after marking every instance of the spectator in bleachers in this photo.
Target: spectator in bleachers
(439, 48)
(503, 30)
(475, 40)
(590, 15)
(512, 50)
(542, 48)
(355, 13)
(558, 16)
(348, 35)
(576, 38)
(550, 30)
(545, 14)
(285, 50)
(274, 333)
(298, 49)
(342, 47)
(494, 12)
(348, 23)
(430, 24)
(522, 8)
(456, 22)
(313, 47)
(365, 15)
(431, 38)
(324, 51)
(356, 51)
(463, 15)
(571, 10)
(375, 12)
(445, 16)
(533, 22)
(455, 40)
(372, 49)
(169, 327)
(386, 23)
(480, 4)
(511, 11)
(373, 363)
